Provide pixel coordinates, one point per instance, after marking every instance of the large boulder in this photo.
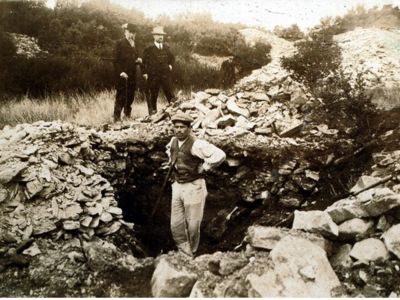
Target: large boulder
(315, 221)
(355, 228)
(168, 281)
(371, 203)
(266, 237)
(298, 269)
(368, 250)
(392, 239)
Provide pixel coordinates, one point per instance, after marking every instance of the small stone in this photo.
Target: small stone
(383, 223)
(106, 217)
(71, 225)
(355, 228)
(86, 221)
(342, 257)
(292, 202)
(234, 108)
(8, 173)
(33, 250)
(392, 240)
(66, 158)
(95, 222)
(213, 92)
(370, 249)
(226, 121)
(84, 170)
(30, 150)
(292, 130)
(312, 174)
(260, 97)
(263, 131)
(115, 210)
(73, 211)
(3, 194)
(113, 228)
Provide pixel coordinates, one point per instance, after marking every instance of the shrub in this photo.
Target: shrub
(317, 65)
(316, 58)
(292, 33)
(250, 58)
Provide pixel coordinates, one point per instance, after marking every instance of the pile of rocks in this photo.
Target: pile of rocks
(372, 52)
(360, 233)
(47, 185)
(273, 108)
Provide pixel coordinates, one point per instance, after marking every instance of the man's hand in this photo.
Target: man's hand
(139, 60)
(145, 76)
(123, 75)
(170, 67)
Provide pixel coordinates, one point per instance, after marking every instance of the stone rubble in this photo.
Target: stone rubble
(373, 52)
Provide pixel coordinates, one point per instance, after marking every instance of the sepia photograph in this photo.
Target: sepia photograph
(199, 148)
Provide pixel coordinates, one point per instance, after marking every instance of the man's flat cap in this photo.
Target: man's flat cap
(182, 117)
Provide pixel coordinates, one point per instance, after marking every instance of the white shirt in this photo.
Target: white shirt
(212, 155)
(158, 45)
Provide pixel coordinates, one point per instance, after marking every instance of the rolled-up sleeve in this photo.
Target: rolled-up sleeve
(212, 155)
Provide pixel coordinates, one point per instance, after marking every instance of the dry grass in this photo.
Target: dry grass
(31, 110)
(91, 110)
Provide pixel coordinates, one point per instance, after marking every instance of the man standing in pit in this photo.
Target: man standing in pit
(158, 62)
(190, 159)
(125, 62)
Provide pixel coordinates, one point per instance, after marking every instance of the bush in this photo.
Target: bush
(316, 58)
(292, 33)
(317, 65)
(251, 58)
(191, 75)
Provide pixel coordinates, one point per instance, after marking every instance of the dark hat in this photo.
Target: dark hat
(182, 117)
(130, 27)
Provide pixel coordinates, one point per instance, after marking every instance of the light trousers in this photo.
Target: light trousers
(187, 208)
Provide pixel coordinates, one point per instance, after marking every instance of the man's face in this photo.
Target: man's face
(129, 35)
(181, 130)
(158, 38)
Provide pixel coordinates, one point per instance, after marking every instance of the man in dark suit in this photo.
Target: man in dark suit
(125, 61)
(157, 69)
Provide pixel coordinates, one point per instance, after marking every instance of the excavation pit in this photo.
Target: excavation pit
(241, 194)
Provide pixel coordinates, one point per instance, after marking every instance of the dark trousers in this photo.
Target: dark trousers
(154, 83)
(124, 98)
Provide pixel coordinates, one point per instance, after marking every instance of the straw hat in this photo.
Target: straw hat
(159, 30)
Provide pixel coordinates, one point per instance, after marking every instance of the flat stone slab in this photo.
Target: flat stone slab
(266, 237)
(372, 204)
(315, 221)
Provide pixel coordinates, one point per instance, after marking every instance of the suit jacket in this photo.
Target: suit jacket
(125, 58)
(156, 61)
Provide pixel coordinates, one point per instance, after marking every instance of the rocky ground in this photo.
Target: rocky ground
(298, 208)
